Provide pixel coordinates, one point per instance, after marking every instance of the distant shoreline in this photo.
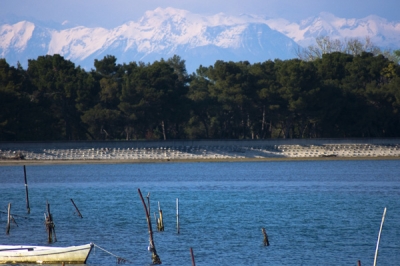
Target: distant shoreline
(189, 151)
(136, 161)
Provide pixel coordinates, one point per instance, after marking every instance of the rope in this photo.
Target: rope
(119, 259)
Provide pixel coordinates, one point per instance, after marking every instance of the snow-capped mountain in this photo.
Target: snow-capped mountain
(382, 33)
(200, 40)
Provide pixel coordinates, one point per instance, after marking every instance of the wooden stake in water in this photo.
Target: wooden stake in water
(177, 215)
(50, 227)
(26, 190)
(79, 213)
(152, 247)
(379, 237)
(192, 256)
(148, 202)
(8, 219)
(160, 221)
(266, 242)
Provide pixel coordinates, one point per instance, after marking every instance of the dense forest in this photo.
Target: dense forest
(335, 95)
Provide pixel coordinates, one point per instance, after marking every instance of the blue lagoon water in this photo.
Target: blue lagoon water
(314, 212)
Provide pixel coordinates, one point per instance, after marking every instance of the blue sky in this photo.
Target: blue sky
(112, 13)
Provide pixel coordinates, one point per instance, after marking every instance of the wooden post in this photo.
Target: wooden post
(50, 225)
(379, 237)
(8, 219)
(160, 222)
(26, 190)
(79, 213)
(177, 215)
(358, 263)
(148, 202)
(192, 256)
(266, 242)
(152, 248)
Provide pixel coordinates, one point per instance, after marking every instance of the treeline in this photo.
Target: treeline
(337, 95)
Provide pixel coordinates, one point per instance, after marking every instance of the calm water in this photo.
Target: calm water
(315, 212)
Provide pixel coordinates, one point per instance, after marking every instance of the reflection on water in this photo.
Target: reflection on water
(315, 212)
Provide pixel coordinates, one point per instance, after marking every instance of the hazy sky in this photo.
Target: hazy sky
(112, 13)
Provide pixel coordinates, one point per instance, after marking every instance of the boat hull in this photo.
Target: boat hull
(44, 255)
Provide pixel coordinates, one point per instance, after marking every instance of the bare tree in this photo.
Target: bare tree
(325, 45)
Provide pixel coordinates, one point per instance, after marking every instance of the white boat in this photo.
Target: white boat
(44, 254)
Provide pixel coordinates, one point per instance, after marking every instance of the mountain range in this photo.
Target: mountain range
(198, 39)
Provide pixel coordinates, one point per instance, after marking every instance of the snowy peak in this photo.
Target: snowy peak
(162, 14)
(162, 31)
(382, 33)
(198, 39)
(15, 36)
